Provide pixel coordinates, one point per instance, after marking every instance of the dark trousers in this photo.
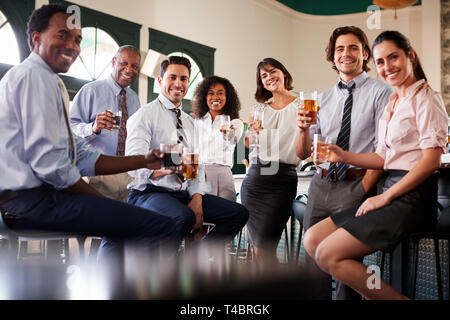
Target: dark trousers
(47, 209)
(324, 199)
(229, 217)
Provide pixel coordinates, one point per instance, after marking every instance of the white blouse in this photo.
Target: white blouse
(277, 139)
(212, 145)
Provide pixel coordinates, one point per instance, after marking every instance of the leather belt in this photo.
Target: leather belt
(352, 174)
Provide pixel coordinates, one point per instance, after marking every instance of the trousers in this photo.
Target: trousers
(227, 216)
(46, 209)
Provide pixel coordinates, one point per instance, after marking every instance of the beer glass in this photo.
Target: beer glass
(117, 118)
(308, 102)
(190, 162)
(258, 117)
(172, 155)
(321, 150)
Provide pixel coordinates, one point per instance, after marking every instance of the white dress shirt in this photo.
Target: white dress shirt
(212, 144)
(150, 126)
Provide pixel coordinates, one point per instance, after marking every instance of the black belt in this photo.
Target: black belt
(352, 174)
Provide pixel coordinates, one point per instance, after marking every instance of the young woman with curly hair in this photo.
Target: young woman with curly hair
(213, 98)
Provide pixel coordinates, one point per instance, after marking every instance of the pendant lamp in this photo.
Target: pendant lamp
(394, 4)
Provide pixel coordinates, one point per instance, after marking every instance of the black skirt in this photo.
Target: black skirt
(268, 196)
(415, 211)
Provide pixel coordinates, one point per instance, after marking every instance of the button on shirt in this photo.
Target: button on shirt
(34, 140)
(419, 121)
(92, 99)
(370, 97)
(150, 126)
(212, 143)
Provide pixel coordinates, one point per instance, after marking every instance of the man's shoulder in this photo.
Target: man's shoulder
(377, 85)
(94, 85)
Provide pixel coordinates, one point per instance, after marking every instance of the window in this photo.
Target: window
(94, 61)
(13, 32)
(103, 34)
(10, 53)
(200, 56)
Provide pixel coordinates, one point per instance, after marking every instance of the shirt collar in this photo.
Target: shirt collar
(167, 103)
(358, 81)
(114, 86)
(35, 58)
(408, 92)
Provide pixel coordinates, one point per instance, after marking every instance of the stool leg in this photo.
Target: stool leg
(414, 267)
(383, 257)
(286, 239)
(297, 251)
(438, 268)
(238, 246)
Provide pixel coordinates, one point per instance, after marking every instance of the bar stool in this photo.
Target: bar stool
(298, 209)
(16, 237)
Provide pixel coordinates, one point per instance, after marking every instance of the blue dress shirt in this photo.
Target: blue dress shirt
(34, 144)
(92, 99)
(370, 98)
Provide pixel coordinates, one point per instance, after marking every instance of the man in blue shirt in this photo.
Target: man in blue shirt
(92, 116)
(42, 161)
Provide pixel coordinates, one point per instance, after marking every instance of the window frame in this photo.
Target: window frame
(124, 32)
(166, 43)
(17, 13)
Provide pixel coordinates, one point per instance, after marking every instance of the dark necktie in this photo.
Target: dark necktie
(180, 132)
(338, 170)
(123, 124)
(180, 136)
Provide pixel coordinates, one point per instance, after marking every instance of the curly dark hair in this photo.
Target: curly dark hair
(39, 19)
(346, 30)
(262, 94)
(199, 105)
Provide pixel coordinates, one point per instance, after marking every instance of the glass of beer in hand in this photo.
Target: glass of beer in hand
(172, 156)
(308, 102)
(321, 150)
(190, 162)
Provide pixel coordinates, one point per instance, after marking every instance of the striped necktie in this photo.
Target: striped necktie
(180, 137)
(122, 137)
(65, 100)
(338, 170)
(180, 132)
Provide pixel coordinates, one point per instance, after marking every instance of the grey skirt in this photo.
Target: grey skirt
(268, 198)
(415, 211)
(221, 180)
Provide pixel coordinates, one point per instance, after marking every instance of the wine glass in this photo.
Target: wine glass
(225, 129)
(258, 117)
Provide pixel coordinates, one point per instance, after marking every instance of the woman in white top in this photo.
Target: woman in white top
(271, 182)
(214, 98)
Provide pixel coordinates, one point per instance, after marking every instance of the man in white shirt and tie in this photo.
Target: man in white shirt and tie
(163, 121)
(42, 162)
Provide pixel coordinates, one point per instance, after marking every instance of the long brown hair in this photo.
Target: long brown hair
(262, 94)
(402, 43)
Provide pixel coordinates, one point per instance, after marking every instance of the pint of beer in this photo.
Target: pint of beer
(321, 150)
(190, 162)
(308, 102)
(172, 155)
